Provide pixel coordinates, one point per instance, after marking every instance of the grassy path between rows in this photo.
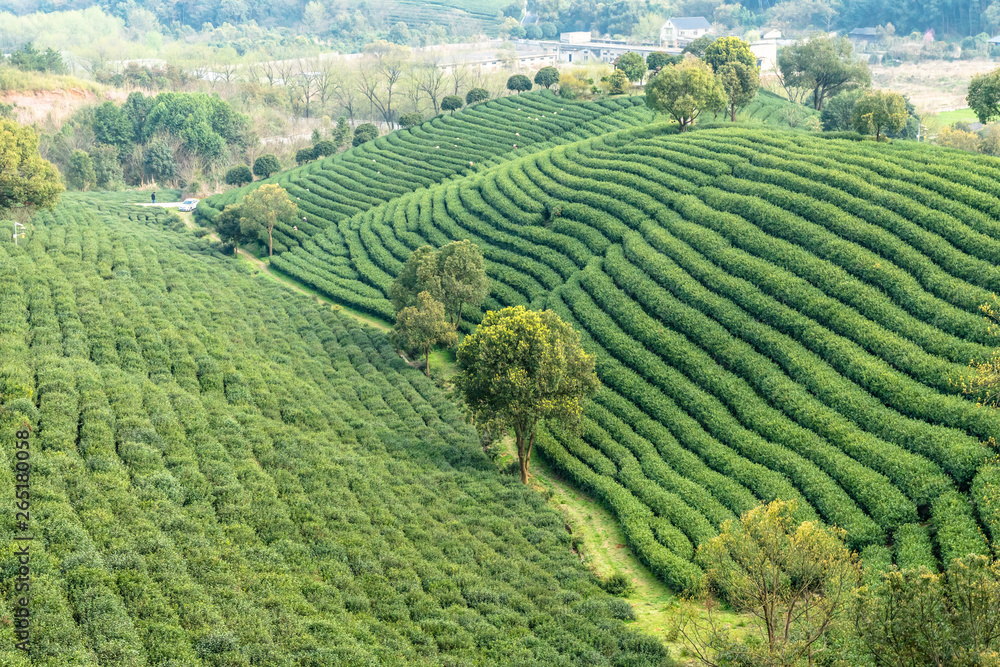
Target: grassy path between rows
(265, 269)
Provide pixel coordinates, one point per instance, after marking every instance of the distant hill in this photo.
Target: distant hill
(774, 314)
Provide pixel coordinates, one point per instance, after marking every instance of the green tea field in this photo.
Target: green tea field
(774, 315)
(223, 472)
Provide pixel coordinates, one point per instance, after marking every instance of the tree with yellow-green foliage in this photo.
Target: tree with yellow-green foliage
(521, 367)
(262, 208)
(27, 182)
(685, 90)
(879, 111)
(797, 579)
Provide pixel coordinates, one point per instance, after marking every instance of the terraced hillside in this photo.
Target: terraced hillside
(416, 13)
(774, 314)
(331, 190)
(224, 473)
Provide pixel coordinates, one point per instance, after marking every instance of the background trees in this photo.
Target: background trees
(477, 95)
(27, 182)
(740, 83)
(823, 66)
(519, 83)
(363, 133)
(632, 65)
(521, 367)
(266, 165)
(239, 175)
(879, 111)
(684, 91)
(547, 77)
(452, 103)
(984, 95)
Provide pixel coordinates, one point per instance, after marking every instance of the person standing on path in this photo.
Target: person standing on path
(154, 197)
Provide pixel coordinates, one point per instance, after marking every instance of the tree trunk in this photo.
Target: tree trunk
(521, 458)
(459, 322)
(270, 242)
(732, 114)
(427, 360)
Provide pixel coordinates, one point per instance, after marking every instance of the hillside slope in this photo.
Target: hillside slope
(224, 473)
(333, 189)
(774, 314)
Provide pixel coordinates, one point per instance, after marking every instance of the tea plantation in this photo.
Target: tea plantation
(225, 473)
(338, 187)
(774, 315)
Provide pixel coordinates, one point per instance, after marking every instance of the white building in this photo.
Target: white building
(574, 37)
(684, 29)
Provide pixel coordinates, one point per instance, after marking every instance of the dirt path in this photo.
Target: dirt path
(266, 270)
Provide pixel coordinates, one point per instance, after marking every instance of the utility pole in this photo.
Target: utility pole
(16, 225)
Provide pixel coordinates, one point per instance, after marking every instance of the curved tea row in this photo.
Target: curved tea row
(774, 315)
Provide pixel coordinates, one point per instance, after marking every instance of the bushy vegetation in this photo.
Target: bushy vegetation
(773, 315)
(224, 472)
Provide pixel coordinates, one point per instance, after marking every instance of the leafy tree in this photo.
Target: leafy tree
(547, 77)
(684, 91)
(453, 274)
(477, 95)
(27, 182)
(107, 167)
(727, 50)
(324, 147)
(400, 33)
(239, 176)
(159, 161)
(658, 59)
(618, 82)
(919, 617)
(797, 579)
(826, 66)
(517, 32)
(341, 132)
(80, 171)
(549, 30)
(229, 226)
(411, 119)
(266, 165)
(741, 84)
(984, 96)
(632, 65)
(422, 326)
(521, 367)
(519, 83)
(533, 31)
(316, 136)
(461, 278)
(879, 111)
(452, 103)
(697, 47)
(364, 133)
(839, 110)
(263, 207)
(417, 276)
